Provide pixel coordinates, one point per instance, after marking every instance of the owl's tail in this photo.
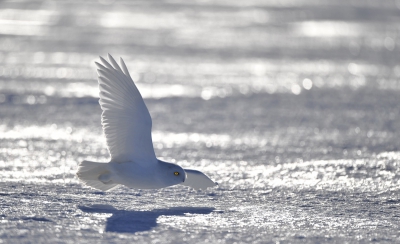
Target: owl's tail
(96, 175)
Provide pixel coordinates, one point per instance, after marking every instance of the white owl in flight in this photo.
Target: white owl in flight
(127, 126)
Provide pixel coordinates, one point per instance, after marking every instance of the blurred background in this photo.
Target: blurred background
(292, 106)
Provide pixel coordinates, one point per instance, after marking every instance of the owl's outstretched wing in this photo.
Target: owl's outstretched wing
(197, 180)
(126, 120)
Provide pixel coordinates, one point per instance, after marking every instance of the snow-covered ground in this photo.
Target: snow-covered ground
(291, 106)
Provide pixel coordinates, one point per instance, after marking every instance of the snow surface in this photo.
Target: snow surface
(291, 106)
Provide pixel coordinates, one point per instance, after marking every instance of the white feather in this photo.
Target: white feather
(197, 180)
(125, 118)
(91, 172)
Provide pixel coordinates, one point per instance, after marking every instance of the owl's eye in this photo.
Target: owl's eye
(176, 173)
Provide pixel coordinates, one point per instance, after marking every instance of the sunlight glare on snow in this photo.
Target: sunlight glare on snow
(328, 28)
(26, 22)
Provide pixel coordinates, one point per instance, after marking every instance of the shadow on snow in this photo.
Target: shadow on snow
(123, 221)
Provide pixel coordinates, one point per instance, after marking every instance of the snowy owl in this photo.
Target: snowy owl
(127, 125)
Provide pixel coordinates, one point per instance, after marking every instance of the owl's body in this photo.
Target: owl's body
(127, 126)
